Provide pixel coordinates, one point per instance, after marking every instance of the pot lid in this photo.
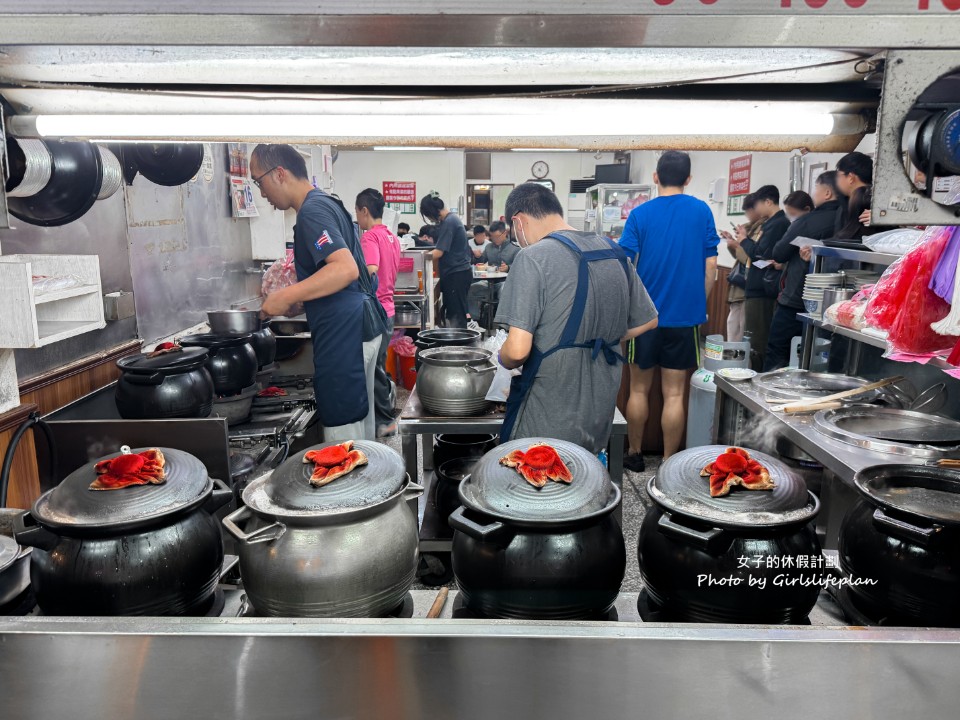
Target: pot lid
(678, 487)
(72, 504)
(287, 492)
(9, 550)
(216, 340)
(501, 492)
(891, 430)
(930, 493)
(450, 336)
(181, 361)
(791, 382)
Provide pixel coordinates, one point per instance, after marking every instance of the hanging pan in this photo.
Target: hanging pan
(75, 177)
(167, 164)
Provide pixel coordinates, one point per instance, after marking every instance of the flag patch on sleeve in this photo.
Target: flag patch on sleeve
(322, 240)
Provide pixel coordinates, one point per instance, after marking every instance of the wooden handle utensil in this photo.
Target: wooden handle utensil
(798, 407)
(438, 604)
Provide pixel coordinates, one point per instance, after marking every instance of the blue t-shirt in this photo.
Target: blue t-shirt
(670, 238)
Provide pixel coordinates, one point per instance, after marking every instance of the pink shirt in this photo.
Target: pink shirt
(381, 248)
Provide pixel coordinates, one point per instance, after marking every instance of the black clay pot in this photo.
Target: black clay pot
(449, 447)
(231, 360)
(551, 553)
(173, 385)
(141, 550)
(900, 546)
(748, 557)
(264, 345)
(446, 495)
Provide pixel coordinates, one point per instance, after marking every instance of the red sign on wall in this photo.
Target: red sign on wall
(395, 191)
(739, 178)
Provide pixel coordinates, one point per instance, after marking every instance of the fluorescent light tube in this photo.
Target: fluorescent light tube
(399, 148)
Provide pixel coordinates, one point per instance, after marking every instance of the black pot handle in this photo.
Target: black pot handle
(904, 530)
(708, 540)
(489, 532)
(137, 379)
(221, 495)
(27, 531)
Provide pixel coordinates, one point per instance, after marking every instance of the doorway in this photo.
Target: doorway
(486, 202)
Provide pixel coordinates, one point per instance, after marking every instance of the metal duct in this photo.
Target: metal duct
(112, 174)
(37, 168)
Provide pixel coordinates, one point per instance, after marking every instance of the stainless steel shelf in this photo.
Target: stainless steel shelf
(863, 256)
(865, 338)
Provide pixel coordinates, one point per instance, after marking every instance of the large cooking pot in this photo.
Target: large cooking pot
(242, 322)
(172, 385)
(900, 545)
(231, 360)
(264, 345)
(453, 381)
(445, 337)
(741, 558)
(347, 549)
(140, 550)
(551, 553)
(14, 569)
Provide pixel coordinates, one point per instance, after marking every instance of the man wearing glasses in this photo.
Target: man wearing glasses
(498, 255)
(334, 287)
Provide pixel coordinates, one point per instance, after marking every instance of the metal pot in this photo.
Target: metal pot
(284, 326)
(902, 543)
(235, 409)
(445, 337)
(264, 345)
(233, 321)
(551, 553)
(406, 314)
(455, 381)
(14, 569)
(141, 550)
(347, 549)
(690, 537)
(231, 360)
(173, 385)
(448, 446)
(446, 495)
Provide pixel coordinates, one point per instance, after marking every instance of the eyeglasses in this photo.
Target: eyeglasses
(258, 180)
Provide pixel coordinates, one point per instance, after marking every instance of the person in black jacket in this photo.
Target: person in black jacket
(761, 299)
(816, 225)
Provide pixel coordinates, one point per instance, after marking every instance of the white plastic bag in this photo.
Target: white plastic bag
(896, 242)
(500, 387)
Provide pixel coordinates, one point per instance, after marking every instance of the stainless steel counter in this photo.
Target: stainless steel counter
(762, 426)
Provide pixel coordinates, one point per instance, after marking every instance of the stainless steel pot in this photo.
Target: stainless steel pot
(14, 569)
(347, 549)
(234, 321)
(454, 381)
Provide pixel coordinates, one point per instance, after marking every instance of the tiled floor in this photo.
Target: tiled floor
(635, 503)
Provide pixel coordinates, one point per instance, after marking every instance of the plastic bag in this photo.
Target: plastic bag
(903, 304)
(944, 274)
(47, 284)
(896, 241)
(500, 387)
(280, 275)
(402, 345)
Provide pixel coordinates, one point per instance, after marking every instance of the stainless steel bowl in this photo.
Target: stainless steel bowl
(234, 321)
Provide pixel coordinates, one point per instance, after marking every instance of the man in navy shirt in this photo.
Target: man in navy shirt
(673, 240)
(327, 274)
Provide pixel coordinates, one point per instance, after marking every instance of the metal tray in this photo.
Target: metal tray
(853, 425)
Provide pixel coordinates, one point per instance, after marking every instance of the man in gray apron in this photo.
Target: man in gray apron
(571, 298)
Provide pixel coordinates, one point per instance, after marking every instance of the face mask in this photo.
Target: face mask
(791, 218)
(521, 238)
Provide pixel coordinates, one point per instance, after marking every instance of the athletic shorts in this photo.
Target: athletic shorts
(674, 348)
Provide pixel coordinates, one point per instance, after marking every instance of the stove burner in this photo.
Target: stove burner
(403, 611)
(462, 612)
(22, 604)
(217, 602)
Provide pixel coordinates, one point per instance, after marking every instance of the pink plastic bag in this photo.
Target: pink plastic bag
(280, 275)
(903, 304)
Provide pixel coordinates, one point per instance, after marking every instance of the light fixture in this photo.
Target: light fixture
(400, 148)
(579, 122)
(545, 150)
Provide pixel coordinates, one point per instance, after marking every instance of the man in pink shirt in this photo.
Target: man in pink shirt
(381, 250)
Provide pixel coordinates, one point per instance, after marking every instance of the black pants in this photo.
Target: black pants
(383, 386)
(783, 329)
(454, 287)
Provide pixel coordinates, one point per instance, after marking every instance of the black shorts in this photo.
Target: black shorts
(674, 348)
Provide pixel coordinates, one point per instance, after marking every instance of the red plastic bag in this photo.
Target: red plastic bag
(280, 275)
(903, 304)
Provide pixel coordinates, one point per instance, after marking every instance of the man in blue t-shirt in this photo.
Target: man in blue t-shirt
(673, 240)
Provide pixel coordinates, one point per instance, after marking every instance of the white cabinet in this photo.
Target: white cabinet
(32, 318)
